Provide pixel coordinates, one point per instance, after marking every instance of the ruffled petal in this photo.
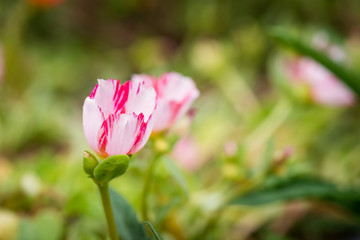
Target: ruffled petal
(144, 130)
(92, 121)
(141, 100)
(146, 80)
(122, 134)
(162, 116)
(176, 93)
(103, 95)
(175, 87)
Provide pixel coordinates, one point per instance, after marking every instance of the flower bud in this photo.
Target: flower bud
(89, 163)
(110, 168)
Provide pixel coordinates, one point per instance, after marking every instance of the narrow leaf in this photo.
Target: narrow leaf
(176, 174)
(155, 234)
(288, 189)
(267, 157)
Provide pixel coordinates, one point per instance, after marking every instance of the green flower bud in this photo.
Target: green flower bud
(89, 163)
(110, 168)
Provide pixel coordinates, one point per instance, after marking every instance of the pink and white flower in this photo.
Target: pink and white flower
(323, 86)
(175, 94)
(118, 118)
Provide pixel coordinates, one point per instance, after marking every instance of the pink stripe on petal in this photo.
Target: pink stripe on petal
(121, 97)
(105, 133)
(123, 135)
(116, 93)
(92, 95)
(143, 133)
(141, 127)
(142, 102)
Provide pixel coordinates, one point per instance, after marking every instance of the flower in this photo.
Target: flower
(230, 148)
(175, 94)
(117, 118)
(187, 153)
(323, 86)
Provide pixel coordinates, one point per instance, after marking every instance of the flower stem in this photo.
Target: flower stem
(147, 186)
(105, 198)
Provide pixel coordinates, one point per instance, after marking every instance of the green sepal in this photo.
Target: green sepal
(110, 168)
(89, 163)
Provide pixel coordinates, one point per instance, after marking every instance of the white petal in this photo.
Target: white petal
(162, 116)
(141, 100)
(176, 87)
(92, 121)
(176, 93)
(146, 80)
(123, 134)
(104, 96)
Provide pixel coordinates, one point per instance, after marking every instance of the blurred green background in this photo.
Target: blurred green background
(52, 52)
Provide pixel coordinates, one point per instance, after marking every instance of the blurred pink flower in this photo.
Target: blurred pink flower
(117, 118)
(230, 148)
(323, 86)
(186, 153)
(45, 3)
(175, 94)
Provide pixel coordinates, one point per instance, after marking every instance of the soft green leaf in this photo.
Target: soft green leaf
(155, 234)
(47, 225)
(127, 224)
(267, 157)
(110, 168)
(350, 78)
(288, 189)
(176, 174)
(26, 230)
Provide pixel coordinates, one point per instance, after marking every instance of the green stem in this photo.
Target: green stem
(105, 198)
(147, 186)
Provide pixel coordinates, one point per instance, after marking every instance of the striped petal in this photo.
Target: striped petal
(92, 121)
(141, 100)
(121, 135)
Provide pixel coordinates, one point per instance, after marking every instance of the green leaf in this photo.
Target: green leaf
(288, 189)
(350, 78)
(127, 224)
(267, 158)
(111, 167)
(47, 225)
(26, 230)
(153, 231)
(176, 174)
